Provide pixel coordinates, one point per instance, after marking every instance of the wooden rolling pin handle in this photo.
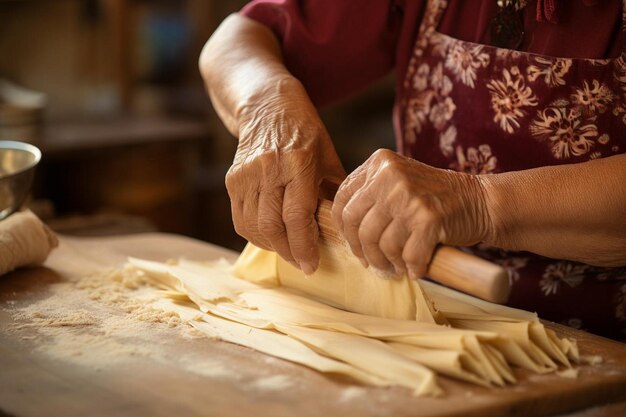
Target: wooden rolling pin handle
(470, 274)
(449, 266)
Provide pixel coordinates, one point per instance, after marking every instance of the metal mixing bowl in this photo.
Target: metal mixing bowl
(17, 168)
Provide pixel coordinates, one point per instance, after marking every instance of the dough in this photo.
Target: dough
(24, 241)
(483, 343)
(266, 341)
(344, 287)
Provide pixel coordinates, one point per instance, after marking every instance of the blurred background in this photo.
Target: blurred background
(109, 90)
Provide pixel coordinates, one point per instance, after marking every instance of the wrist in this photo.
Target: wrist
(277, 93)
(500, 215)
(475, 202)
(281, 116)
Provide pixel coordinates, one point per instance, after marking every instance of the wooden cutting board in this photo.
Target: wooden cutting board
(110, 367)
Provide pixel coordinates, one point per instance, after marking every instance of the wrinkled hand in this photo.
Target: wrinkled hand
(393, 212)
(283, 155)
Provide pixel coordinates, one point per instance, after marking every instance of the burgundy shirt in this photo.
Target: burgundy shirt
(336, 48)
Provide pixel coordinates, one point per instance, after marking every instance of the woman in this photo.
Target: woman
(515, 110)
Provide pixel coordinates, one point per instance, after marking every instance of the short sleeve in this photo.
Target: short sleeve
(334, 47)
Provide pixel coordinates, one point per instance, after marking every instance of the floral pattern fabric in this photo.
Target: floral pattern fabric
(482, 110)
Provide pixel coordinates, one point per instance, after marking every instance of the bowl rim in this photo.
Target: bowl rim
(21, 146)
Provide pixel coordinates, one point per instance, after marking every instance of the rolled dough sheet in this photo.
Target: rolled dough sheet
(390, 351)
(333, 345)
(344, 287)
(438, 304)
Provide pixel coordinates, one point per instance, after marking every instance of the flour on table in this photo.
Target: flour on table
(112, 288)
(92, 321)
(591, 359)
(571, 373)
(39, 319)
(274, 383)
(352, 393)
(209, 367)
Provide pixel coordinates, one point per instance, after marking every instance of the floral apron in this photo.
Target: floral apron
(480, 109)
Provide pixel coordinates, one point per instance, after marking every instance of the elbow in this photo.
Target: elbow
(204, 60)
(213, 46)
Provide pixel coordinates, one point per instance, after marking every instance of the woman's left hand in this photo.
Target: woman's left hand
(393, 212)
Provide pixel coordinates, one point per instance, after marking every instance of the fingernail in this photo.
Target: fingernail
(364, 263)
(308, 268)
(414, 275)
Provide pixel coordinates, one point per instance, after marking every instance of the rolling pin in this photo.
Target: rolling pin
(449, 266)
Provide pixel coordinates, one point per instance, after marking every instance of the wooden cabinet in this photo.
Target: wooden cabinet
(159, 169)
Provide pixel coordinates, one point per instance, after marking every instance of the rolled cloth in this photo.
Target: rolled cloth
(24, 241)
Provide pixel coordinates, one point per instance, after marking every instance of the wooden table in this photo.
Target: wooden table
(152, 369)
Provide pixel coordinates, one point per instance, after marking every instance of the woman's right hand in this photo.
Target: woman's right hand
(284, 154)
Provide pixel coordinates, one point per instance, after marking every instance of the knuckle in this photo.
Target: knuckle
(425, 210)
(270, 227)
(350, 217)
(367, 237)
(391, 170)
(391, 248)
(348, 189)
(429, 215)
(237, 180)
(400, 194)
(403, 183)
(230, 180)
(413, 258)
(393, 161)
(298, 218)
(382, 153)
(301, 161)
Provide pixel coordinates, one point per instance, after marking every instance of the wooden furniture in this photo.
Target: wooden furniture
(163, 169)
(198, 376)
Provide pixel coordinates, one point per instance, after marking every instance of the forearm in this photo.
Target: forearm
(575, 212)
(284, 151)
(242, 66)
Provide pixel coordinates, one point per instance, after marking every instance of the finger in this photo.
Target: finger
(233, 187)
(236, 210)
(251, 221)
(346, 190)
(352, 216)
(270, 222)
(299, 205)
(370, 231)
(392, 242)
(418, 250)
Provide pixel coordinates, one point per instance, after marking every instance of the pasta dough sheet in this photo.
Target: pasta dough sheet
(479, 342)
(338, 281)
